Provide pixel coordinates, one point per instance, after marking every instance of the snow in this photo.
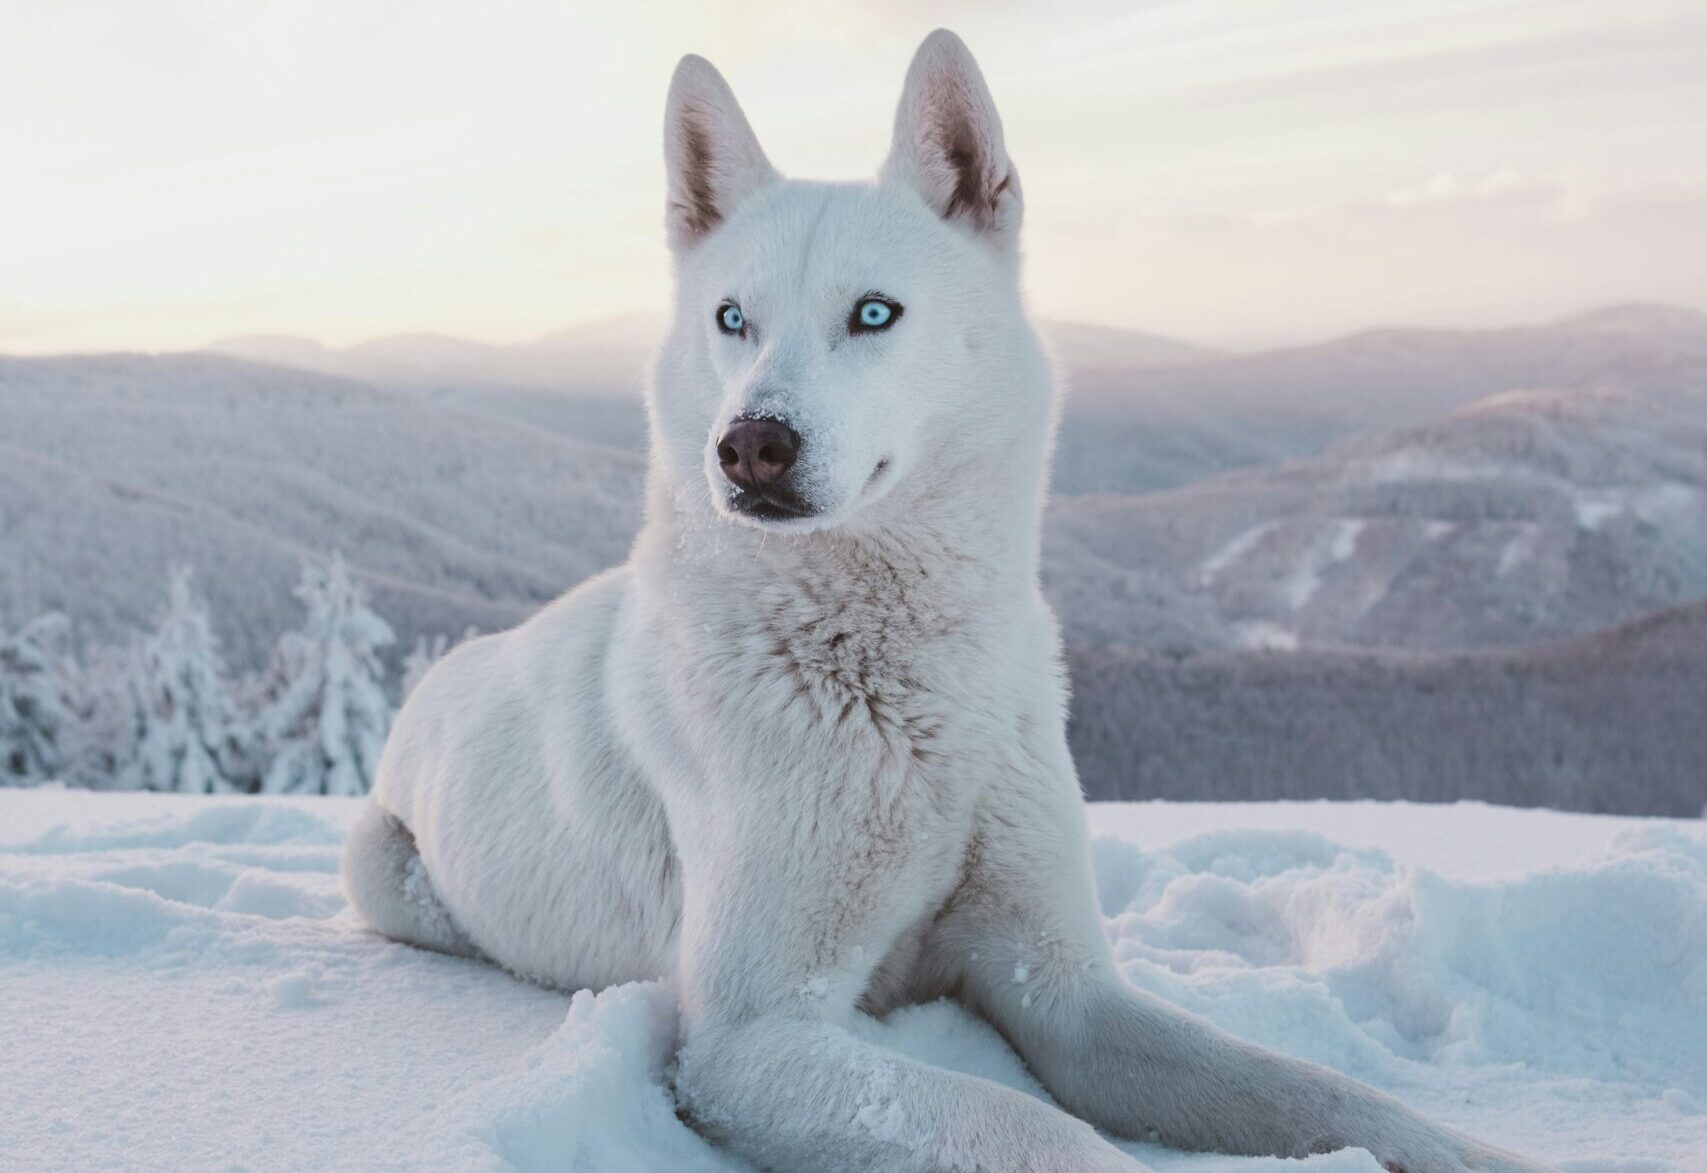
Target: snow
(1520, 549)
(1262, 635)
(1345, 534)
(1655, 504)
(1335, 543)
(1234, 550)
(184, 989)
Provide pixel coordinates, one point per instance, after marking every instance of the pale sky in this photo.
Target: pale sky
(1234, 172)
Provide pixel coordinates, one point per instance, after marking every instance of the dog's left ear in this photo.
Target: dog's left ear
(948, 143)
(711, 155)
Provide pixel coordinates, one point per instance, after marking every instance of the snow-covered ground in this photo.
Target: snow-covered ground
(182, 988)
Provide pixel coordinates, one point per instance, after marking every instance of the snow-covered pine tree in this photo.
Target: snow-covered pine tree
(103, 746)
(420, 659)
(326, 714)
(188, 735)
(39, 705)
(425, 654)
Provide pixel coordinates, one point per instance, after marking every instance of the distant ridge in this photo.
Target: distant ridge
(282, 349)
(1144, 429)
(609, 356)
(1640, 318)
(1081, 345)
(584, 361)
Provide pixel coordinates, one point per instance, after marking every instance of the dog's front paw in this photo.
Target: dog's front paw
(1405, 1142)
(1451, 1155)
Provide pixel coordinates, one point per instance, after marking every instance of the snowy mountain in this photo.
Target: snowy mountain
(113, 468)
(610, 356)
(1523, 517)
(602, 358)
(1130, 429)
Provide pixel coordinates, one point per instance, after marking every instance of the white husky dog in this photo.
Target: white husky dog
(804, 754)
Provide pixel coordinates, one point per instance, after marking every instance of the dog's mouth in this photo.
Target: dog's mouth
(772, 504)
(779, 503)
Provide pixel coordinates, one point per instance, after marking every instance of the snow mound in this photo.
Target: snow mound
(606, 1063)
(1356, 961)
(185, 990)
(240, 822)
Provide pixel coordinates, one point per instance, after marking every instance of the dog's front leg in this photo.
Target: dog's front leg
(790, 1093)
(771, 965)
(1025, 943)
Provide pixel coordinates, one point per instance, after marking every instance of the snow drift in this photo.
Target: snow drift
(185, 990)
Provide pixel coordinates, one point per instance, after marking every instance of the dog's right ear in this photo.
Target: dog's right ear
(711, 156)
(948, 143)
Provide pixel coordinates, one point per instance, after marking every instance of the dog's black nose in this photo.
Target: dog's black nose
(756, 453)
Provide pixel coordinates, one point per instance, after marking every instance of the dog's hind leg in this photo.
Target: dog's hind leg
(385, 881)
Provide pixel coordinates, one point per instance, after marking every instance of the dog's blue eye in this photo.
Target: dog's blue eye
(871, 314)
(730, 319)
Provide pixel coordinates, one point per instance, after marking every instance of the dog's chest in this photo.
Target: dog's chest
(832, 730)
(868, 688)
(885, 664)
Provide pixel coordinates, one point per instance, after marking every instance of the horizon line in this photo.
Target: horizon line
(660, 317)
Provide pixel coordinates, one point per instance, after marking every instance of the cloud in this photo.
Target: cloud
(1448, 250)
(1630, 48)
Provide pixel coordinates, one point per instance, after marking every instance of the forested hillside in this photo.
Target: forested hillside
(1616, 722)
(114, 469)
(1527, 516)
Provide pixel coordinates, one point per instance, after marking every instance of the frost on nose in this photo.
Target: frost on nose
(755, 454)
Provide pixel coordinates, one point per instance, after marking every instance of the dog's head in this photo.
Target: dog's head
(845, 352)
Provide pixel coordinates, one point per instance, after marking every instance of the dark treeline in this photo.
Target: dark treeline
(1614, 723)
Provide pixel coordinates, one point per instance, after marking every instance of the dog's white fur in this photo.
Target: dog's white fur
(812, 767)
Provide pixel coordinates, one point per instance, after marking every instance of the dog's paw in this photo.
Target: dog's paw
(1403, 1141)
(1486, 1160)
(1453, 1156)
